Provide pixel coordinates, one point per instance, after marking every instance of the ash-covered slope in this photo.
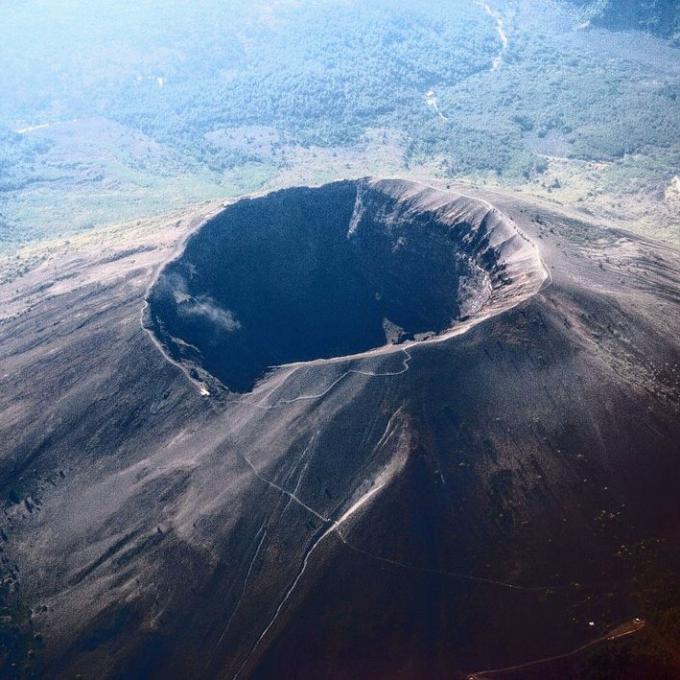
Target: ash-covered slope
(499, 493)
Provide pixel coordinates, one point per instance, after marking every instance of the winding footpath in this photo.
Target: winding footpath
(311, 397)
(623, 630)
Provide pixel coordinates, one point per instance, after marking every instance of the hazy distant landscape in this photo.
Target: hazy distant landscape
(112, 112)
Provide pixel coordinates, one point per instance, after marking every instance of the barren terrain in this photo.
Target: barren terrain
(498, 491)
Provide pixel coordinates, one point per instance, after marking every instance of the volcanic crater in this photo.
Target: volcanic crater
(305, 274)
(424, 480)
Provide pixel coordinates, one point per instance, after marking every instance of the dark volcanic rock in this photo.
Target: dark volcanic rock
(501, 492)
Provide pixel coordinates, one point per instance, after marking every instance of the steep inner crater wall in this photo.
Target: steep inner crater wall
(310, 273)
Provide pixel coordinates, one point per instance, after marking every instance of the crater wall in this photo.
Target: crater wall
(314, 273)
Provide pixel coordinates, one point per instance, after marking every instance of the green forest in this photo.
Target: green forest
(489, 92)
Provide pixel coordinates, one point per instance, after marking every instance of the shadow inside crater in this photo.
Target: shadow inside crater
(311, 273)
